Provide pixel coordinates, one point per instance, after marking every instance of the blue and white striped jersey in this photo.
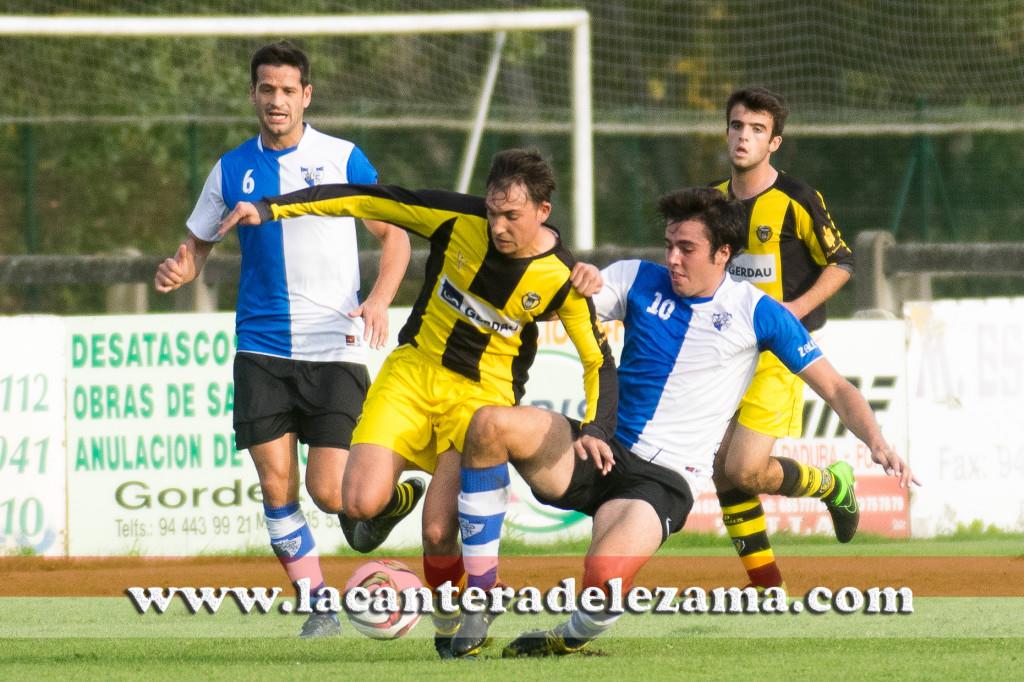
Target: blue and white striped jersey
(298, 280)
(686, 362)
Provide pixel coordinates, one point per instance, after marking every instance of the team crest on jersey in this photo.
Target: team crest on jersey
(531, 300)
(721, 321)
(764, 233)
(312, 176)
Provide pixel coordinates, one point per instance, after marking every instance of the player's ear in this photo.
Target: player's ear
(307, 95)
(722, 255)
(543, 210)
(774, 143)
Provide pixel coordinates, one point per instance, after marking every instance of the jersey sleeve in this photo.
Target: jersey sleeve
(209, 209)
(359, 170)
(422, 212)
(817, 230)
(779, 331)
(600, 380)
(617, 278)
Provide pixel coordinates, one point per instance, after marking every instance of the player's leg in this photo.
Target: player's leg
(332, 395)
(393, 433)
(539, 444)
(442, 558)
(773, 408)
(325, 468)
(264, 423)
(742, 512)
(626, 533)
(290, 536)
(374, 500)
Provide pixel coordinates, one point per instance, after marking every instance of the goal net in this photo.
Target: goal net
(417, 91)
(123, 129)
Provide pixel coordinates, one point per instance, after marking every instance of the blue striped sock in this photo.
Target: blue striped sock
(293, 543)
(483, 499)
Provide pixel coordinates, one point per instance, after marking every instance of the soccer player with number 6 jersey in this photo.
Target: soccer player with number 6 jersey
(300, 369)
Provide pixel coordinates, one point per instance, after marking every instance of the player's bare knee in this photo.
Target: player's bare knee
(484, 435)
(362, 506)
(327, 499)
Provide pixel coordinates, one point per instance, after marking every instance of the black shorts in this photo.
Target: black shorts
(318, 401)
(631, 478)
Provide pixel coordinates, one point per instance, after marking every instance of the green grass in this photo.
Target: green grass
(947, 637)
(950, 637)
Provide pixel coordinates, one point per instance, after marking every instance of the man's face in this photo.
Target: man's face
(694, 270)
(750, 137)
(280, 101)
(515, 220)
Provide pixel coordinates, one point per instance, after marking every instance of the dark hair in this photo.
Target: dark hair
(725, 220)
(281, 53)
(761, 100)
(522, 166)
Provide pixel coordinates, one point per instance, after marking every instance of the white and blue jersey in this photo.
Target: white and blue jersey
(300, 276)
(686, 362)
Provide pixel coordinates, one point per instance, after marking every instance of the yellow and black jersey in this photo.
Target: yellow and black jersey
(477, 312)
(791, 240)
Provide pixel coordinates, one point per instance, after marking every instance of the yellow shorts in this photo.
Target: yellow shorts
(420, 410)
(774, 401)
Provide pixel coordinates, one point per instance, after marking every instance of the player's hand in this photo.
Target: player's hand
(375, 322)
(893, 465)
(586, 279)
(173, 272)
(244, 213)
(597, 451)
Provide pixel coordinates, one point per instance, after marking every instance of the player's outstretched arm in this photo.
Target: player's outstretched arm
(856, 415)
(184, 266)
(394, 259)
(600, 380)
(243, 213)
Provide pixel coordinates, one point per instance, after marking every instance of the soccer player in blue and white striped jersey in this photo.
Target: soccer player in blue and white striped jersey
(300, 367)
(692, 340)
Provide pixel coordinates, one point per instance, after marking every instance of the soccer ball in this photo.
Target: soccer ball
(388, 620)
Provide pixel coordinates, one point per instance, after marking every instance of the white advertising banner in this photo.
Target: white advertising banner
(32, 474)
(966, 393)
(152, 468)
(116, 436)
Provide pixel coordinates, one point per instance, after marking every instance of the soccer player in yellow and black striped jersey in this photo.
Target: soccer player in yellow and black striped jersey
(796, 255)
(494, 269)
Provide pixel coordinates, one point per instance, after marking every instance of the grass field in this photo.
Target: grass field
(979, 637)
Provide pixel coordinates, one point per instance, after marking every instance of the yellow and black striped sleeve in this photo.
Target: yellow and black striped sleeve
(600, 380)
(421, 212)
(815, 228)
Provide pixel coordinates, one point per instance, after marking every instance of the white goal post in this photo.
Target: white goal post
(575, 21)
